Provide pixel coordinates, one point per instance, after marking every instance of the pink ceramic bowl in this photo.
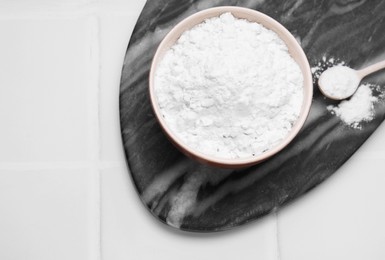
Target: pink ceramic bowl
(253, 16)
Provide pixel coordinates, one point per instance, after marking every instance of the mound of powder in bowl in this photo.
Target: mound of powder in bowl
(229, 88)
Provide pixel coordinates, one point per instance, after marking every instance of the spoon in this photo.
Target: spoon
(341, 82)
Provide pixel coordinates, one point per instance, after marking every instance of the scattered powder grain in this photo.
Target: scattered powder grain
(324, 64)
(229, 88)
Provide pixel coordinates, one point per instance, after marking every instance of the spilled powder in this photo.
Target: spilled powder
(358, 109)
(324, 64)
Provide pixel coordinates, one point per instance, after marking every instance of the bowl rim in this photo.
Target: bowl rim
(279, 29)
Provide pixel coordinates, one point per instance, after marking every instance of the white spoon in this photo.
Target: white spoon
(341, 82)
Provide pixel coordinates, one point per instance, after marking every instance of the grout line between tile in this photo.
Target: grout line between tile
(99, 155)
(93, 90)
(93, 140)
(94, 213)
(278, 246)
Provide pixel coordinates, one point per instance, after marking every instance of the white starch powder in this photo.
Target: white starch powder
(360, 108)
(229, 88)
(339, 81)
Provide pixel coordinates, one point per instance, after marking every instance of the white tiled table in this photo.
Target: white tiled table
(65, 192)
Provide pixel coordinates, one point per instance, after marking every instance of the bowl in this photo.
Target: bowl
(253, 16)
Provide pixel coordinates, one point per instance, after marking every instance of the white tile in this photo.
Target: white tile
(43, 83)
(115, 33)
(44, 215)
(129, 231)
(344, 217)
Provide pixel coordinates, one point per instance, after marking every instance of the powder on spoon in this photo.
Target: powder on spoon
(229, 88)
(339, 82)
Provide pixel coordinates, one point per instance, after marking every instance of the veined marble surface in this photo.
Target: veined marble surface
(194, 197)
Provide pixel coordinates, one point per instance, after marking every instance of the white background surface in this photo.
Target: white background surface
(65, 192)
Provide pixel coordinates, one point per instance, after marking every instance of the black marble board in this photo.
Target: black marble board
(194, 197)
